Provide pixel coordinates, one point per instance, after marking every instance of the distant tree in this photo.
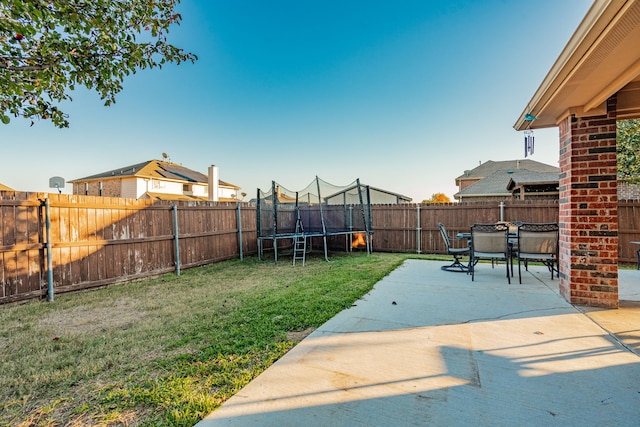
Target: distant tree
(628, 148)
(48, 47)
(437, 198)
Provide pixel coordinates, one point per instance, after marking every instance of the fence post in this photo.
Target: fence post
(47, 214)
(419, 228)
(177, 241)
(240, 230)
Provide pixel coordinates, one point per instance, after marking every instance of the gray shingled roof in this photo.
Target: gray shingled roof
(496, 183)
(489, 167)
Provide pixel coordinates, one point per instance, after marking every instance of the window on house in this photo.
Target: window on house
(187, 188)
(100, 188)
(86, 188)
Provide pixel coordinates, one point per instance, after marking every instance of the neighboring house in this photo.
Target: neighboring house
(159, 180)
(502, 180)
(5, 188)
(487, 168)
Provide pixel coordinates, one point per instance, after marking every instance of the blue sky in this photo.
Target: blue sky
(404, 95)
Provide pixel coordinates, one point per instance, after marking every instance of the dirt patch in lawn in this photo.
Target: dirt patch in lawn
(297, 336)
(122, 314)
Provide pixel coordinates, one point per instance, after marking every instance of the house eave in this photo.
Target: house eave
(601, 59)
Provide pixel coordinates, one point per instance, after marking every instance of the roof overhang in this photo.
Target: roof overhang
(602, 58)
(519, 184)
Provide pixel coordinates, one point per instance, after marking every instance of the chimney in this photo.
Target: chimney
(214, 181)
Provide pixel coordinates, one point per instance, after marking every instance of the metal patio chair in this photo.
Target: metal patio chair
(490, 242)
(538, 242)
(457, 253)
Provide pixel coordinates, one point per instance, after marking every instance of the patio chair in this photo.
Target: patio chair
(457, 253)
(538, 242)
(490, 242)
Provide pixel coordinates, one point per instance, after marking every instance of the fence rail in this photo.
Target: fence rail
(96, 241)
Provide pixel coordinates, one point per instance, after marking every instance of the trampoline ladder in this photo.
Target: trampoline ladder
(299, 248)
(299, 243)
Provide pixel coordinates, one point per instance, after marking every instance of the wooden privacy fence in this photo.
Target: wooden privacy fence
(413, 228)
(95, 241)
(101, 240)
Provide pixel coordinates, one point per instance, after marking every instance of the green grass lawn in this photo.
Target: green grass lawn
(168, 350)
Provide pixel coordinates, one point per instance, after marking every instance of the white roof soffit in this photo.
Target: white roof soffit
(601, 58)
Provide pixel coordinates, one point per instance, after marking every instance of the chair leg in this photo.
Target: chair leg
(519, 271)
(472, 268)
(507, 266)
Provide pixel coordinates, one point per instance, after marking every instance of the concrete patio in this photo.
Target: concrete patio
(429, 347)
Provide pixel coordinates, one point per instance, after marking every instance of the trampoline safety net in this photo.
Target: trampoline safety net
(320, 209)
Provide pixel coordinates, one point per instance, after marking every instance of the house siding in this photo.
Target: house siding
(130, 188)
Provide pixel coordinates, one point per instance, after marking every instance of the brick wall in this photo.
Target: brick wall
(110, 188)
(627, 191)
(588, 210)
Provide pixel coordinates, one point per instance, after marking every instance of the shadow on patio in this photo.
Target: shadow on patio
(427, 346)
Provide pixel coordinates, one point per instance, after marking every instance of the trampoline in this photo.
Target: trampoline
(292, 219)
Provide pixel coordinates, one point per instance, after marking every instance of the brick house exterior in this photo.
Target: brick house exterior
(594, 82)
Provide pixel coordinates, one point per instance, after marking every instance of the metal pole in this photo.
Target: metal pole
(240, 231)
(367, 228)
(176, 238)
(276, 199)
(350, 227)
(324, 228)
(259, 224)
(418, 229)
(47, 214)
(501, 211)
(347, 237)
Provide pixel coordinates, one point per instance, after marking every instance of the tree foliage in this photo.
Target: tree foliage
(438, 198)
(49, 47)
(628, 149)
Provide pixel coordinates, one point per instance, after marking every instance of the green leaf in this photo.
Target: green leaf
(102, 36)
